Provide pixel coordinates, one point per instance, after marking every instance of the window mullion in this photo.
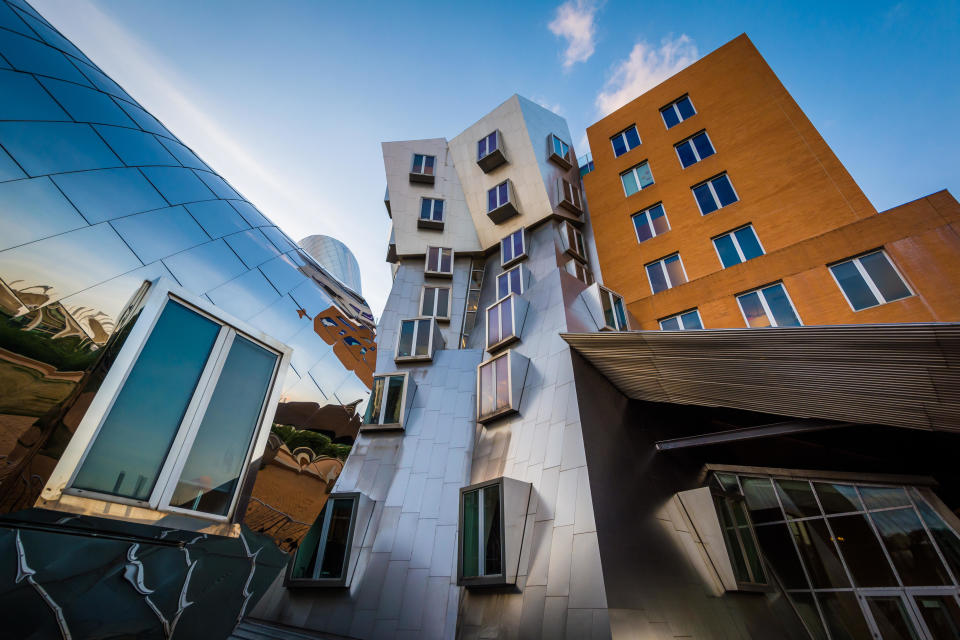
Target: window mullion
(713, 192)
(736, 244)
(870, 284)
(481, 560)
(666, 274)
(324, 533)
(766, 308)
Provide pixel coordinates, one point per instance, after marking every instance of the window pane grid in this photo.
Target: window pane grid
(509, 282)
(650, 222)
(675, 113)
(768, 307)
(497, 196)
(737, 246)
(512, 247)
(861, 287)
(625, 141)
(636, 178)
(486, 145)
(431, 209)
(714, 194)
(687, 321)
(694, 149)
(666, 273)
(423, 164)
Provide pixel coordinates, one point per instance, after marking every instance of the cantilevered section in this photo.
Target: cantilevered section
(905, 375)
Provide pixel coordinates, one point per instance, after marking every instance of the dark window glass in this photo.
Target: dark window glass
(685, 107)
(423, 338)
(133, 441)
(28, 101)
(838, 498)
(724, 190)
(945, 537)
(218, 454)
(819, 555)
(26, 54)
(405, 346)
(621, 314)
(492, 199)
(749, 244)
(87, 105)
(658, 281)
(685, 151)
(438, 210)
(844, 616)
(517, 243)
(394, 396)
(470, 549)
(659, 219)
(670, 117)
(335, 550)
(425, 209)
(376, 402)
(691, 320)
(491, 529)
(883, 497)
(502, 193)
(445, 257)
(941, 614)
(884, 276)
(778, 550)
(854, 286)
(761, 500)
(503, 285)
(891, 617)
(642, 227)
(797, 498)
(633, 138)
(861, 550)
(702, 143)
(776, 297)
(727, 251)
(753, 310)
(733, 542)
(443, 303)
(910, 547)
(674, 270)
(670, 324)
(619, 146)
(807, 608)
(705, 199)
(428, 165)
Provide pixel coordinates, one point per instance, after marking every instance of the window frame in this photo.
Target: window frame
(649, 219)
(736, 245)
(385, 426)
(432, 222)
(514, 361)
(419, 175)
(713, 192)
(679, 317)
(343, 580)
(666, 274)
(436, 287)
(497, 147)
(766, 306)
(430, 345)
(439, 274)
(518, 257)
(572, 201)
(565, 160)
(159, 293)
(515, 314)
(577, 269)
(737, 498)
(693, 147)
(626, 142)
(507, 273)
(636, 176)
(676, 109)
(574, 243)
(483, 579)
(871, 285)
(612, 296)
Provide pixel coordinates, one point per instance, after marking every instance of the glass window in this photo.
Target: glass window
(252, 246)
(614, 313)
(870, 280)
(559, 148)
(30, 101)
(570, 195)
(893, 621)
(435, 301)
(694, 149)
(87, 105)
(945, 537)
(481, 549)
(498, 196)
(500, 323)
(423, 164)
(843, 615)
(386, 400)
(941, 615)
(838, 498)
(109, 193)
(512, 247)
(910, 548)
(714, 193)
(487, 145)
(862, 552)
(415, 338)
(573, 241)
(768, 307)
(682, 321)
(650, 222)
(819, 554)
(494, 381)
(510, 281)
(636, 178)
(739, 540)
(431, 209)
(156, 234)
(676, 112)
(323, 554)
(737, 246)
(666, 273)
(26, 54)
(579, 271)
(776, 543)
(439, 260)
(625, 140)
(797, 499)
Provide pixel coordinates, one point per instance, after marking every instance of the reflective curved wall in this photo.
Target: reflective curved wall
(97, 196)
(335, 257)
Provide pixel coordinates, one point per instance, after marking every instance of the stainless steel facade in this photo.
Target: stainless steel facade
(336, 258)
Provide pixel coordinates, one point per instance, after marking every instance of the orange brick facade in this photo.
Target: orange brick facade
(804, 206)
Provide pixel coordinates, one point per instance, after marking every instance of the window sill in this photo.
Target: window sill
(422, 178)
(512, 261)
(560, 161)
(438, 274)
(303, 583)
(492, 160)
(429, 224)
(389, 427)
(503, 212)
(401, 359)
(496, 415)
(503, 343)
(569, 206)
(486, 582)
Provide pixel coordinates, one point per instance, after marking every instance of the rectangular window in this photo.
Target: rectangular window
(737, 533)
(498, 196)
(636, 178)
(625, 141)
(676, 112)
(502, 326)
(569, 196)
(666, 273)
(573, 242)
(714, 194)
(487, 145)
(439, 261)
(431, 209)
(650, 222)
(737, 246)
(387, 400)
(579, 271)
(870, 280)
(494, 386)
(510, 282)
(415, 340)
(512, 248)
(769, 306)
(323, 556)
(481, 549)
(682, 321)
(694, 149)
(423, 165)
(435, 301)
(614, 313)
(559, 152)
(184, 419)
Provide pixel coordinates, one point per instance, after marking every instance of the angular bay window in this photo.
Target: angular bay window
(625, 141)
(737, 246)
(418, 339)
(439, 262)
(694, 149)
(677, 111)
(492, 518)
(326, 556)
(388, 403)
(614, 313)
(435, 301)
(768, 306)
(490, 151)
(558, 152)
(650, 222)
(666, 273)
(423, 168)
(682, 321)
(579, 271)
(500, 385)
(511, 281)
(569, 196)
(714, 194)
(870, 280)
(501, 202)
(513, 248)
(431, 214)
(572, 241)
(505, 321)
(636, 178)
(179, 416)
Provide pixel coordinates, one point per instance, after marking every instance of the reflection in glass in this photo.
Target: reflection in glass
(910, 547)
(156, 234)
(55, 147)
(135, 147)
(491, 530)
(34, 209)
(391, 414)
(883, 497)
(323, 552)
(819, 555)
(86, 105)
(133, 441)
(761, 500)
(891, 617)
(405, 346)
(945, 537)
(844, 616)
(471, 546)
(109, 193)
(178, 185)
(838, 498)
(797, 498)
(209, 478)
(807, 608)
(779, 552)
(423, 338)
(941, 614)
(861, 550)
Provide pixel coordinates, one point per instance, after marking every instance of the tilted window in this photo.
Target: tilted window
(492, 517)
(513, 248)
(487, 145)
(666, 273)
(422, 169)
(388, 402)
(435, 301)
(431, 213)
(614, 312)
(439, 261)
(694, 149)
(682, 321)
(636, 178)
(650, 222)
(501, 202)
(579, 271)
(490, 151)
(569, 196)
(418, 339)
(559, 152)
(768, 306)
(625, 141)
(510, 281)
(500, 385)
(714, 194)
(678, 111)
(870, 280)
(326, 555)
(573, 241)
(505, 320)
(737, 246)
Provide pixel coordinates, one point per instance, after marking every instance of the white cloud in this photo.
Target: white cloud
(550, 106)
(573, 21)
(644, 69)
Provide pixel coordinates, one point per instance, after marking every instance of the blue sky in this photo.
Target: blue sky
(289, 100)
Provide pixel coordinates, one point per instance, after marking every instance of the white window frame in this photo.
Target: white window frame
(626, 143)
(488, 150)
(496, 189)
(510, 408)
(553, 149)
(158, 504)
(653, 231)
(573, 241)
(383, 404)
(421, 170)
(696, 154)
(713, 193)
(765, 305)
(520, 256)
(611, 296)
(426, 262)
(882, 300)
(436, 288)
(679, 317)
(579, 270)
(666, 274)
(433, 207)
(507, 274)
(432, 328)
(636, 176)
(736, 244)
(676, 110)
(515, 330)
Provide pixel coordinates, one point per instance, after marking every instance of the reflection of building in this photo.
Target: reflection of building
(124, 261)
(335, 257)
